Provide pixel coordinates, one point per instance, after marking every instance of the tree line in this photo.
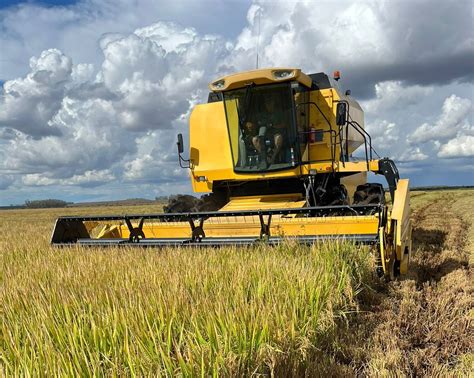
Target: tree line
(43, 204)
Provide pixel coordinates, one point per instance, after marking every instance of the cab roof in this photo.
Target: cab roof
(259, 77)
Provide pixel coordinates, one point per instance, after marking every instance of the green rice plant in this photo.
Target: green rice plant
(175, 311)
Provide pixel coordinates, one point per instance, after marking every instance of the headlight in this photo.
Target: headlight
(218, 84)
(283, 74)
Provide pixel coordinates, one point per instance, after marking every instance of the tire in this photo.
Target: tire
(181, 203)
(368, 194)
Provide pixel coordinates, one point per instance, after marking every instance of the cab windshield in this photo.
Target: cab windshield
(261, 127)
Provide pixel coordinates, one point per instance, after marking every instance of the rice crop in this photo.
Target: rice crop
(135, 312)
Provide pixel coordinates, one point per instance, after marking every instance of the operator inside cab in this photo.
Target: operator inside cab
(267, 129)
(265, 133)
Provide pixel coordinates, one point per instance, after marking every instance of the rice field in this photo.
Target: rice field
(168, 312)
(284, 311)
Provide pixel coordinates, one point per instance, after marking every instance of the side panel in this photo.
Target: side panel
(401, 215)
(209, 145)
(322, 110)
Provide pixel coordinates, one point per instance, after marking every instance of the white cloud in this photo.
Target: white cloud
(89, 140)
(140, 86)
(453, 119)
(461, 146)
(88, 179)
(156, 158)
(412, 154)
(393, 95)
(29, 103)
(168, 35)
(30, 28)
(384, 134)
(155, 71)
(82, 73)
(371, 41)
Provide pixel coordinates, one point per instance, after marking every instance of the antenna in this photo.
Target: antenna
(258, 35)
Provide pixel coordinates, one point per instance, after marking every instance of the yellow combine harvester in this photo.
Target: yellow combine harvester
(274, 150)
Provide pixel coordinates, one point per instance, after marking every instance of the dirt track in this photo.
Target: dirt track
(440, 238)
(422, 325)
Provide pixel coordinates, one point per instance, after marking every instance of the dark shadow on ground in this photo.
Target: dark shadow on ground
(429, 240)
(435, 271)
(433, 259)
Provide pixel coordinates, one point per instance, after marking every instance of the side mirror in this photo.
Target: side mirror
(341, 114)
(348, 92)
(180, 143)
(183, 163)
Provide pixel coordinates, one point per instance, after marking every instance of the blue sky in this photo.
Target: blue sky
(10, 3)
(94, 92)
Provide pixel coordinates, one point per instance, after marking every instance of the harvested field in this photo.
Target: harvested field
(283, 311)
(422, 325)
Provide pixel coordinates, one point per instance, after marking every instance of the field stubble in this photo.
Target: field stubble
(423, 324)
(286, 311)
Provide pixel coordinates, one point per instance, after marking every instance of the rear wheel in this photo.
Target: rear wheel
(368, 194)
(181, 203)
(190, 204)
(337, 196)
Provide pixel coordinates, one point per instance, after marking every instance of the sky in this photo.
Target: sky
(94, 92)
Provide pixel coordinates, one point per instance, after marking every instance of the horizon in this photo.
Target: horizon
(158, 198)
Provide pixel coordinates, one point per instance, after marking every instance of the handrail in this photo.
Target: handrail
(331, 131)
(349, 120)
(365, 143)
(366, 133)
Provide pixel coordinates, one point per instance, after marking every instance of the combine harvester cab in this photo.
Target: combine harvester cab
(273, 148)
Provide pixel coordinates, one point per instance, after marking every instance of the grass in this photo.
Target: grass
(168, 312)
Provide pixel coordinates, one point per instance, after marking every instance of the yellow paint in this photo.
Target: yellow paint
(249, 226)
(274, 201)
(400, 214)
(325, 109)
(211, 153)
(259, 77)
(209, 145)
(382, 251)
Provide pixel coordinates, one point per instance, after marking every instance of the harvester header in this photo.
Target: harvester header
(279, 154)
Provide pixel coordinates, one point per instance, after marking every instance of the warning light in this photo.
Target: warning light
(337, 75)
